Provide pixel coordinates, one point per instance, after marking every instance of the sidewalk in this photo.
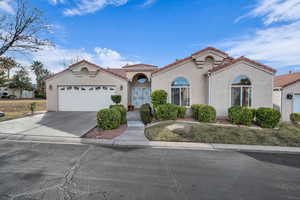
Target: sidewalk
(119, 143)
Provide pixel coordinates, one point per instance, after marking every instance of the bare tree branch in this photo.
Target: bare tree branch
(24, 30)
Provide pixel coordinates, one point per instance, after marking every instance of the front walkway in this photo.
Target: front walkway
(135, 129)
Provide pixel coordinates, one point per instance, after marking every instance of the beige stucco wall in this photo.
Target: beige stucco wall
(277, 99)
(75, 78)
(220, 87)
(287, 104)
(189, 71)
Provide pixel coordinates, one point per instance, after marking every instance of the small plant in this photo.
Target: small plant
(166, 112)
(206, 113)
(32, 107)
(108, 119)
(158, 97)
(145, 113)
(295, 117)
(116, 98)
(241, 115)
(267, 117)
(181, 111)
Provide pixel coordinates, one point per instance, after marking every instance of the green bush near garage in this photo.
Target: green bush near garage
(267, 117)
(146, 113)
(181, 113)
(166, 112)
(108, 119)
(295, 117)
(122, 111)
(241, 115)
(206, 113)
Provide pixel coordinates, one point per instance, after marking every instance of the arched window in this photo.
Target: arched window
(180, 92)
(241, 91)
(209, 60)
(84, 70)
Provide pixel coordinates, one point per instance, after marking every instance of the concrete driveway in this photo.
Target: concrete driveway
(56, 124)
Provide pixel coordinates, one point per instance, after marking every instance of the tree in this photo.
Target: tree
(7, 63)
(22, 31)
(21, 80)
(3, 78)
(40, 73)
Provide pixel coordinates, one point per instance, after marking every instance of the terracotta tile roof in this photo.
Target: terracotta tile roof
(222, 66)
(190, 57)
(286, 79)
(121, 72)
(92, 64)
(135, 65)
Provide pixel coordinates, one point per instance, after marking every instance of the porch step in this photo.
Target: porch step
(133, 116)
(135, 124)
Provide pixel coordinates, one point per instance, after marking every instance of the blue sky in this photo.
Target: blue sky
(112, 33)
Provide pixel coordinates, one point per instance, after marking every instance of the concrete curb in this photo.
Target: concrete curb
(149, 144)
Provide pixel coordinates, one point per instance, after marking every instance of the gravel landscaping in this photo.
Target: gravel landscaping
(285, 135)
(105, 134)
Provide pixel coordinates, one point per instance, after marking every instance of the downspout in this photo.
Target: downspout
(209, 88)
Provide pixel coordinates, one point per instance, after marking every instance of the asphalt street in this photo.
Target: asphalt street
(60, 171)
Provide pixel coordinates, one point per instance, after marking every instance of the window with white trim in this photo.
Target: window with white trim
(180, 92)
(241, 91)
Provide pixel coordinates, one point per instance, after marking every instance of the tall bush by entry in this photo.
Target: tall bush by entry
(145, 113)
(159, 97)
(195, 109)
(181, 113)
(108, 119)
(267, 117)
(241, 115)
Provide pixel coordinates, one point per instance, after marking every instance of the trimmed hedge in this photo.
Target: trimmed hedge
(295, 117)
(158, 97)
(241, 115)
(108, 119)
(181, 113)
(267, 117)
(145, 113)
(195, 109)
(166, 112)
(206, 113)
(122, 111)
(116, 98)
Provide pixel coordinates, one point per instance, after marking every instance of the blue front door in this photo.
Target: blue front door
(140, 96)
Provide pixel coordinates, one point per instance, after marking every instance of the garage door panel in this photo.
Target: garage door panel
(85, 98)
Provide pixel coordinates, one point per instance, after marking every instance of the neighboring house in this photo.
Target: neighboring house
(17, 93)
(286, 95)
(209, 76)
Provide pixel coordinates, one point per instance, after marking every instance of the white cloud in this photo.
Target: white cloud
(277, 45)
(54, 2)
(148, 3)
(6, 6)
(91, 6)
(276, 11)
(57, 58)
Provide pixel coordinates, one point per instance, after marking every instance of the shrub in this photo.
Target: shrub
(166, 112)
(195, 109)
(181, 111)
(267, 117)
(32, 107)
(241, 115)
(206, 113)
(116, 98)
(145, 113)
(122, 111)
(295, 117)
(108, 119)
(159, 97)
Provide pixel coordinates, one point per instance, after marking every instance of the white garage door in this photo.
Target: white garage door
(84, 98)
(296, 103)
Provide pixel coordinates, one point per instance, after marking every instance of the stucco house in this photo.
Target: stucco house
(209, 76)
(286, 97)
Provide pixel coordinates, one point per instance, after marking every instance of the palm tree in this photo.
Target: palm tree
(38, 68)
(7, 63)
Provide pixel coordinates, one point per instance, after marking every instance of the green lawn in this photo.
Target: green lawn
(18, 108)
(286, 135)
